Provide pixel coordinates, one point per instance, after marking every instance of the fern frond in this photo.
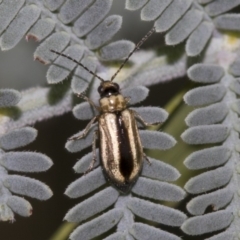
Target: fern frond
(19, 162)
(212, 124)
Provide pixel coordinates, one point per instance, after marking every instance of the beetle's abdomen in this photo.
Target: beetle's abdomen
(120, 148)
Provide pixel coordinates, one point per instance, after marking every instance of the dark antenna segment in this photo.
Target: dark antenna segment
(124, 62)
(131, 53)
(72, 59)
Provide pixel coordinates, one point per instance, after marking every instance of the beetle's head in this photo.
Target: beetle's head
(111, 99)
(108, 88)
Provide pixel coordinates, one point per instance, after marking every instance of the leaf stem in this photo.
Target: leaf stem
(63, 231)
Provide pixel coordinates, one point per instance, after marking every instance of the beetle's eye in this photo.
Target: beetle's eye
(116, 86)
(100, 90)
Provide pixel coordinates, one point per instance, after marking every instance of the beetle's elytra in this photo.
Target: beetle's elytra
(121, 150)
(120, 145)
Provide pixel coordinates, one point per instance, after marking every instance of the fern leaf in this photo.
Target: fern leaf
(9, 97)
(20, 162)
(215, 186)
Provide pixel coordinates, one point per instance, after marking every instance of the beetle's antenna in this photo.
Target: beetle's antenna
(124, 62)
(66, 56)
(131, 53)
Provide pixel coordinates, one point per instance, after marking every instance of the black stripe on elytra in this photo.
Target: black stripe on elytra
(126, 158)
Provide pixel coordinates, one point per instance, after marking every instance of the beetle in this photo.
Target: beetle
(121, 151)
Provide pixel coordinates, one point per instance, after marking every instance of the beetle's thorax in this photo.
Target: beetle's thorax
(113, 103)
(111, 99)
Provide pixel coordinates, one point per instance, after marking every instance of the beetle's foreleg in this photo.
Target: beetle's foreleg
(94, 159)
(146, 124)
(86, 130)
(89, 101)
(146, 157)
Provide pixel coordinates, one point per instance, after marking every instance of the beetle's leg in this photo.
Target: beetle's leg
(94, 159)
(146, 124)
(86, 130)
(146, 157)
(83, 96)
